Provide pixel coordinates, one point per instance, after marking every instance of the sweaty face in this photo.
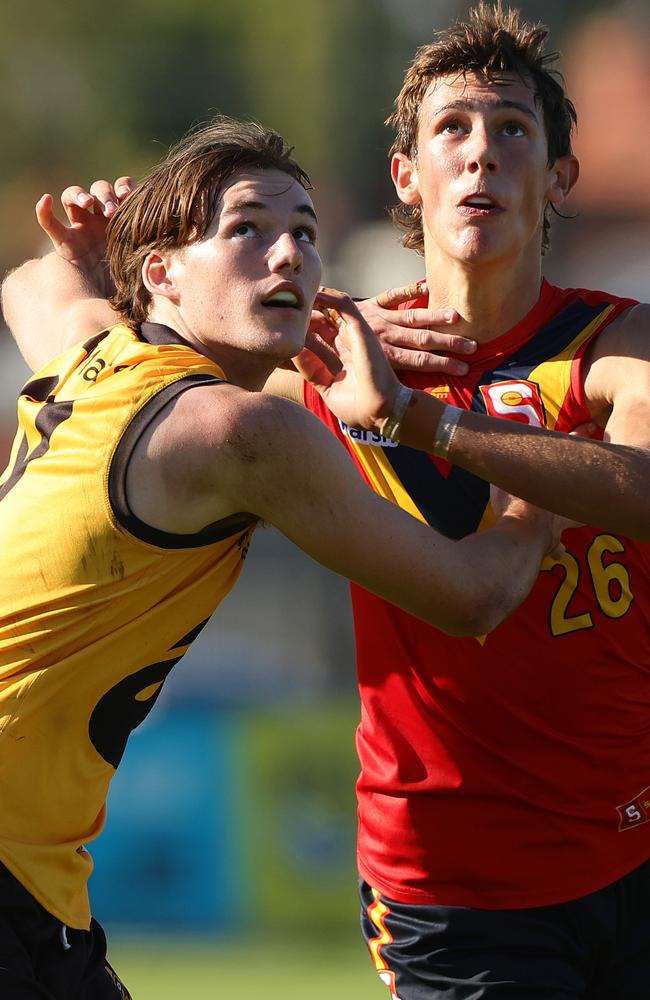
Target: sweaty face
(481, 171)
(249, 284)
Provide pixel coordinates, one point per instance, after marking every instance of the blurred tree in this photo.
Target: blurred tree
(84, 94)
(323, 74)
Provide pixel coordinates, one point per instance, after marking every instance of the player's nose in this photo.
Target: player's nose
(285, 254)
(480, 151)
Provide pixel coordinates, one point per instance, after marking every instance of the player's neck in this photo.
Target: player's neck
(243, 368)
(246, 369)
(490, 299)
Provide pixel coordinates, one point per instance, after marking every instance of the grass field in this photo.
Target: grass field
(162, 969)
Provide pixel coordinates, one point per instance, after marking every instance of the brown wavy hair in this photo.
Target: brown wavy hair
(175, 203)
(492, 41)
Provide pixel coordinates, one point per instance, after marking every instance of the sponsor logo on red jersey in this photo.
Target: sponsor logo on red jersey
(359, 436)
(516, 400)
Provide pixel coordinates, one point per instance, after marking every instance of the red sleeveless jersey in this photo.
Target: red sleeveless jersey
(512, 770)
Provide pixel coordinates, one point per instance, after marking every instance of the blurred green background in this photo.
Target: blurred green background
(227, 864)
(88, 91)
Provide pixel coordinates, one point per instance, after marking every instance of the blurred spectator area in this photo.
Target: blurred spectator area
(607, 69)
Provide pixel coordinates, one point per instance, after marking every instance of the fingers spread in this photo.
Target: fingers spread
(102, 199)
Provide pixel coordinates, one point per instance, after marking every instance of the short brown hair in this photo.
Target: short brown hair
(175, 203)
(492, 41)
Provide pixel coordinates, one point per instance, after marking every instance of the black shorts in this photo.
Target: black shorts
(41, 959)
(593, 948)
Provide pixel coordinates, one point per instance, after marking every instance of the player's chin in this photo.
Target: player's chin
(480, 247)
(287, 333)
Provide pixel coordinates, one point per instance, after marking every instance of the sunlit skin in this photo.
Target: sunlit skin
(261, 242)
(479, 139)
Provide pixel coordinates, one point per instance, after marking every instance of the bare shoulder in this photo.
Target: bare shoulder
(240, 423)
(617, 360)
(85, 318)
(213, 451)
(627, 337)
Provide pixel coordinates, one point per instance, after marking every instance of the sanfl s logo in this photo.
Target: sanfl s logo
(517, 400)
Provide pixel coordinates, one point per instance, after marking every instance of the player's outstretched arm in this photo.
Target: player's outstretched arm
(592, 482)
(267, 456)
(57, 300)
(319, 501)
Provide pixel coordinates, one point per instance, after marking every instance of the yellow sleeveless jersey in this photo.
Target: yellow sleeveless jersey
(95, 606)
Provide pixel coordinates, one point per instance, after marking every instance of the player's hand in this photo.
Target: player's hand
(82, 240)
(344, 362)
(549, 526)
(411, 338)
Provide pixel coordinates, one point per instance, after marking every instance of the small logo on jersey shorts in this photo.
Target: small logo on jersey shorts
(366, 437)
(516, 400)
(635, 812)
(440, 391)
(117, 982)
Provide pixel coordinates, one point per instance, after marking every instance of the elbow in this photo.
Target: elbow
(5, 294)
(476, 615)
(11, 288)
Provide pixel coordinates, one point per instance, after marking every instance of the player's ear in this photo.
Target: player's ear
(405, 178)
(157, 275)
(564, 174)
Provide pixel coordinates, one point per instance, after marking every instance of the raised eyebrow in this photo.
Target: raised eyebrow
(248, 204)
(237, 206)
(467, 105)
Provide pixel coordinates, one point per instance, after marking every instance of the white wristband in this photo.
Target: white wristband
(391, 425)
(447, 426)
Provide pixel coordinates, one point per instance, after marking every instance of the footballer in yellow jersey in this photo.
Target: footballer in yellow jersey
(97, 607)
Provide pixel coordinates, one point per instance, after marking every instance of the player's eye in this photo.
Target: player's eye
(514, 128)
(450, 127)
(245, 229)
(305, 234)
